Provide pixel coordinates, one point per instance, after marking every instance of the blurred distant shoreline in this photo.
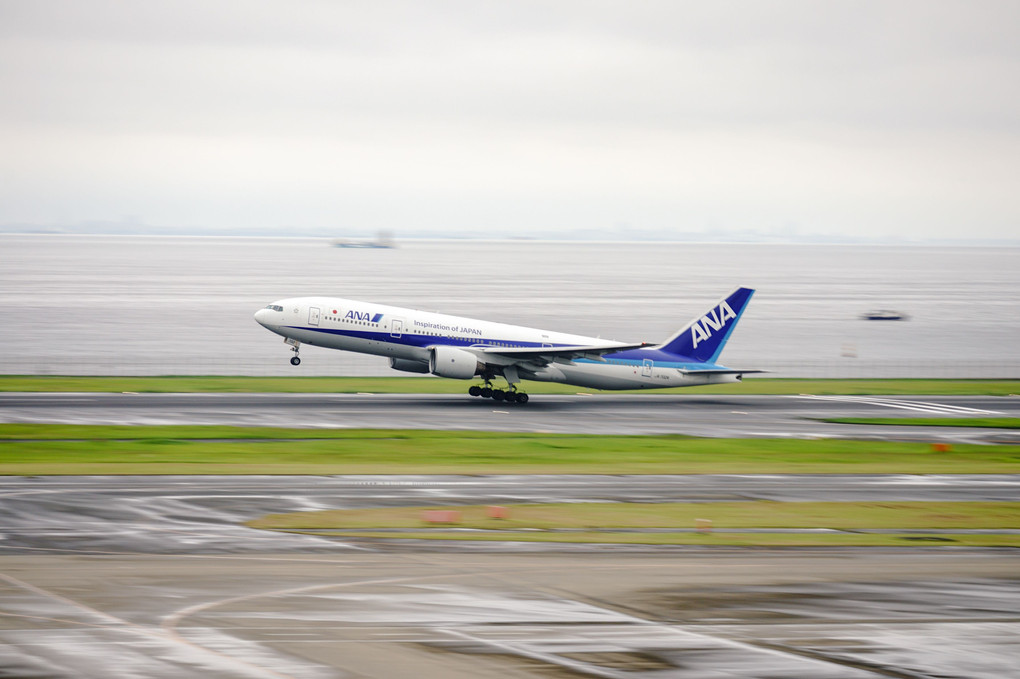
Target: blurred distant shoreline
(715, 237)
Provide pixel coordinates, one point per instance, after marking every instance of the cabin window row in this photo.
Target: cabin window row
(337, 319)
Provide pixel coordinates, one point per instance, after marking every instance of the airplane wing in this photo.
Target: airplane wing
(546, 355)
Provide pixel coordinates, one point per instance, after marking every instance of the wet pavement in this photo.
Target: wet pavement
(123, 577)
(794, 614)
(691, 414)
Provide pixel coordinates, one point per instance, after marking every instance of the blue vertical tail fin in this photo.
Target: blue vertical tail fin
(704, 338)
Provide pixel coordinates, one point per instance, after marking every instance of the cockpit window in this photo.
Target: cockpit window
(275, 307)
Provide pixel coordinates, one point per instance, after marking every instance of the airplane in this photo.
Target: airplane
(466, 348)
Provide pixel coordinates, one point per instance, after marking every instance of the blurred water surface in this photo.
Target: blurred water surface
(147, 305)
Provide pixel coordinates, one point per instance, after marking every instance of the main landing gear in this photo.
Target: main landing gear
(511, 395)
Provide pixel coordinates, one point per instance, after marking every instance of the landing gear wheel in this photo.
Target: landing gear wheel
(475, 390)
(486, 392)
(522, 398)
(294, 360)
(498, 395)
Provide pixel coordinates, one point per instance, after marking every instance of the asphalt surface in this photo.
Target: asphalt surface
(763, 614)
(204, 514)
(157, 576)
(696, 415)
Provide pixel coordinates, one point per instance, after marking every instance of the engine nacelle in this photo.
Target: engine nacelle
(409, 366)
(453, 362)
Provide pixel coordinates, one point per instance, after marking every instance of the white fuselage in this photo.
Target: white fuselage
(411, 335)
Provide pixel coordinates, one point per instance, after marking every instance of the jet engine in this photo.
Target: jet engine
(409, 366)
(452, 362)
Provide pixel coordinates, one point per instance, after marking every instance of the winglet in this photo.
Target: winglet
(704, 338)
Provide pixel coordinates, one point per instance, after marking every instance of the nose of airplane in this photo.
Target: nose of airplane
(263, 317)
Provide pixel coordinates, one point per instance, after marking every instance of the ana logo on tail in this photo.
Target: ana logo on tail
(703, 328)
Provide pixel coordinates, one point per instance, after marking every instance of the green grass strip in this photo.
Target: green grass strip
(983, 422)
(710, 540)
(34, 449)
(609, 515)
(429, 385)
(603, 522)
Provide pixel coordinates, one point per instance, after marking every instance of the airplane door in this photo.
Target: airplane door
(646, 367)
(313, 315)
(397, 328)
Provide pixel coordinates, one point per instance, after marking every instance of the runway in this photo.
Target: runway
(694, 415)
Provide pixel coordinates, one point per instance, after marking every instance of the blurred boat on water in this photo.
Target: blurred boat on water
(884, 315)
(383, 241)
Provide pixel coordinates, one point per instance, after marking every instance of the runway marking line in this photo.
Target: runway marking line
(551, 658)
(171, 623)
(127, 626)
(74, 623)
(918, 406)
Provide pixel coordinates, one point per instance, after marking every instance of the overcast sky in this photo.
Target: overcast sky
(514, 118)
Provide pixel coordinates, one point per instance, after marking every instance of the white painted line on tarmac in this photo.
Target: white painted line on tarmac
(918, 406)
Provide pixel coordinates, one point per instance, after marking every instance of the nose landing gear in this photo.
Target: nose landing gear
(294, 346)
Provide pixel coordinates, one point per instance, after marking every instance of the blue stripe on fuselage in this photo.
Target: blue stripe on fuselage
(679, 365)
(657, 355)
(636, 357)
(659, 358)
(412, 340)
